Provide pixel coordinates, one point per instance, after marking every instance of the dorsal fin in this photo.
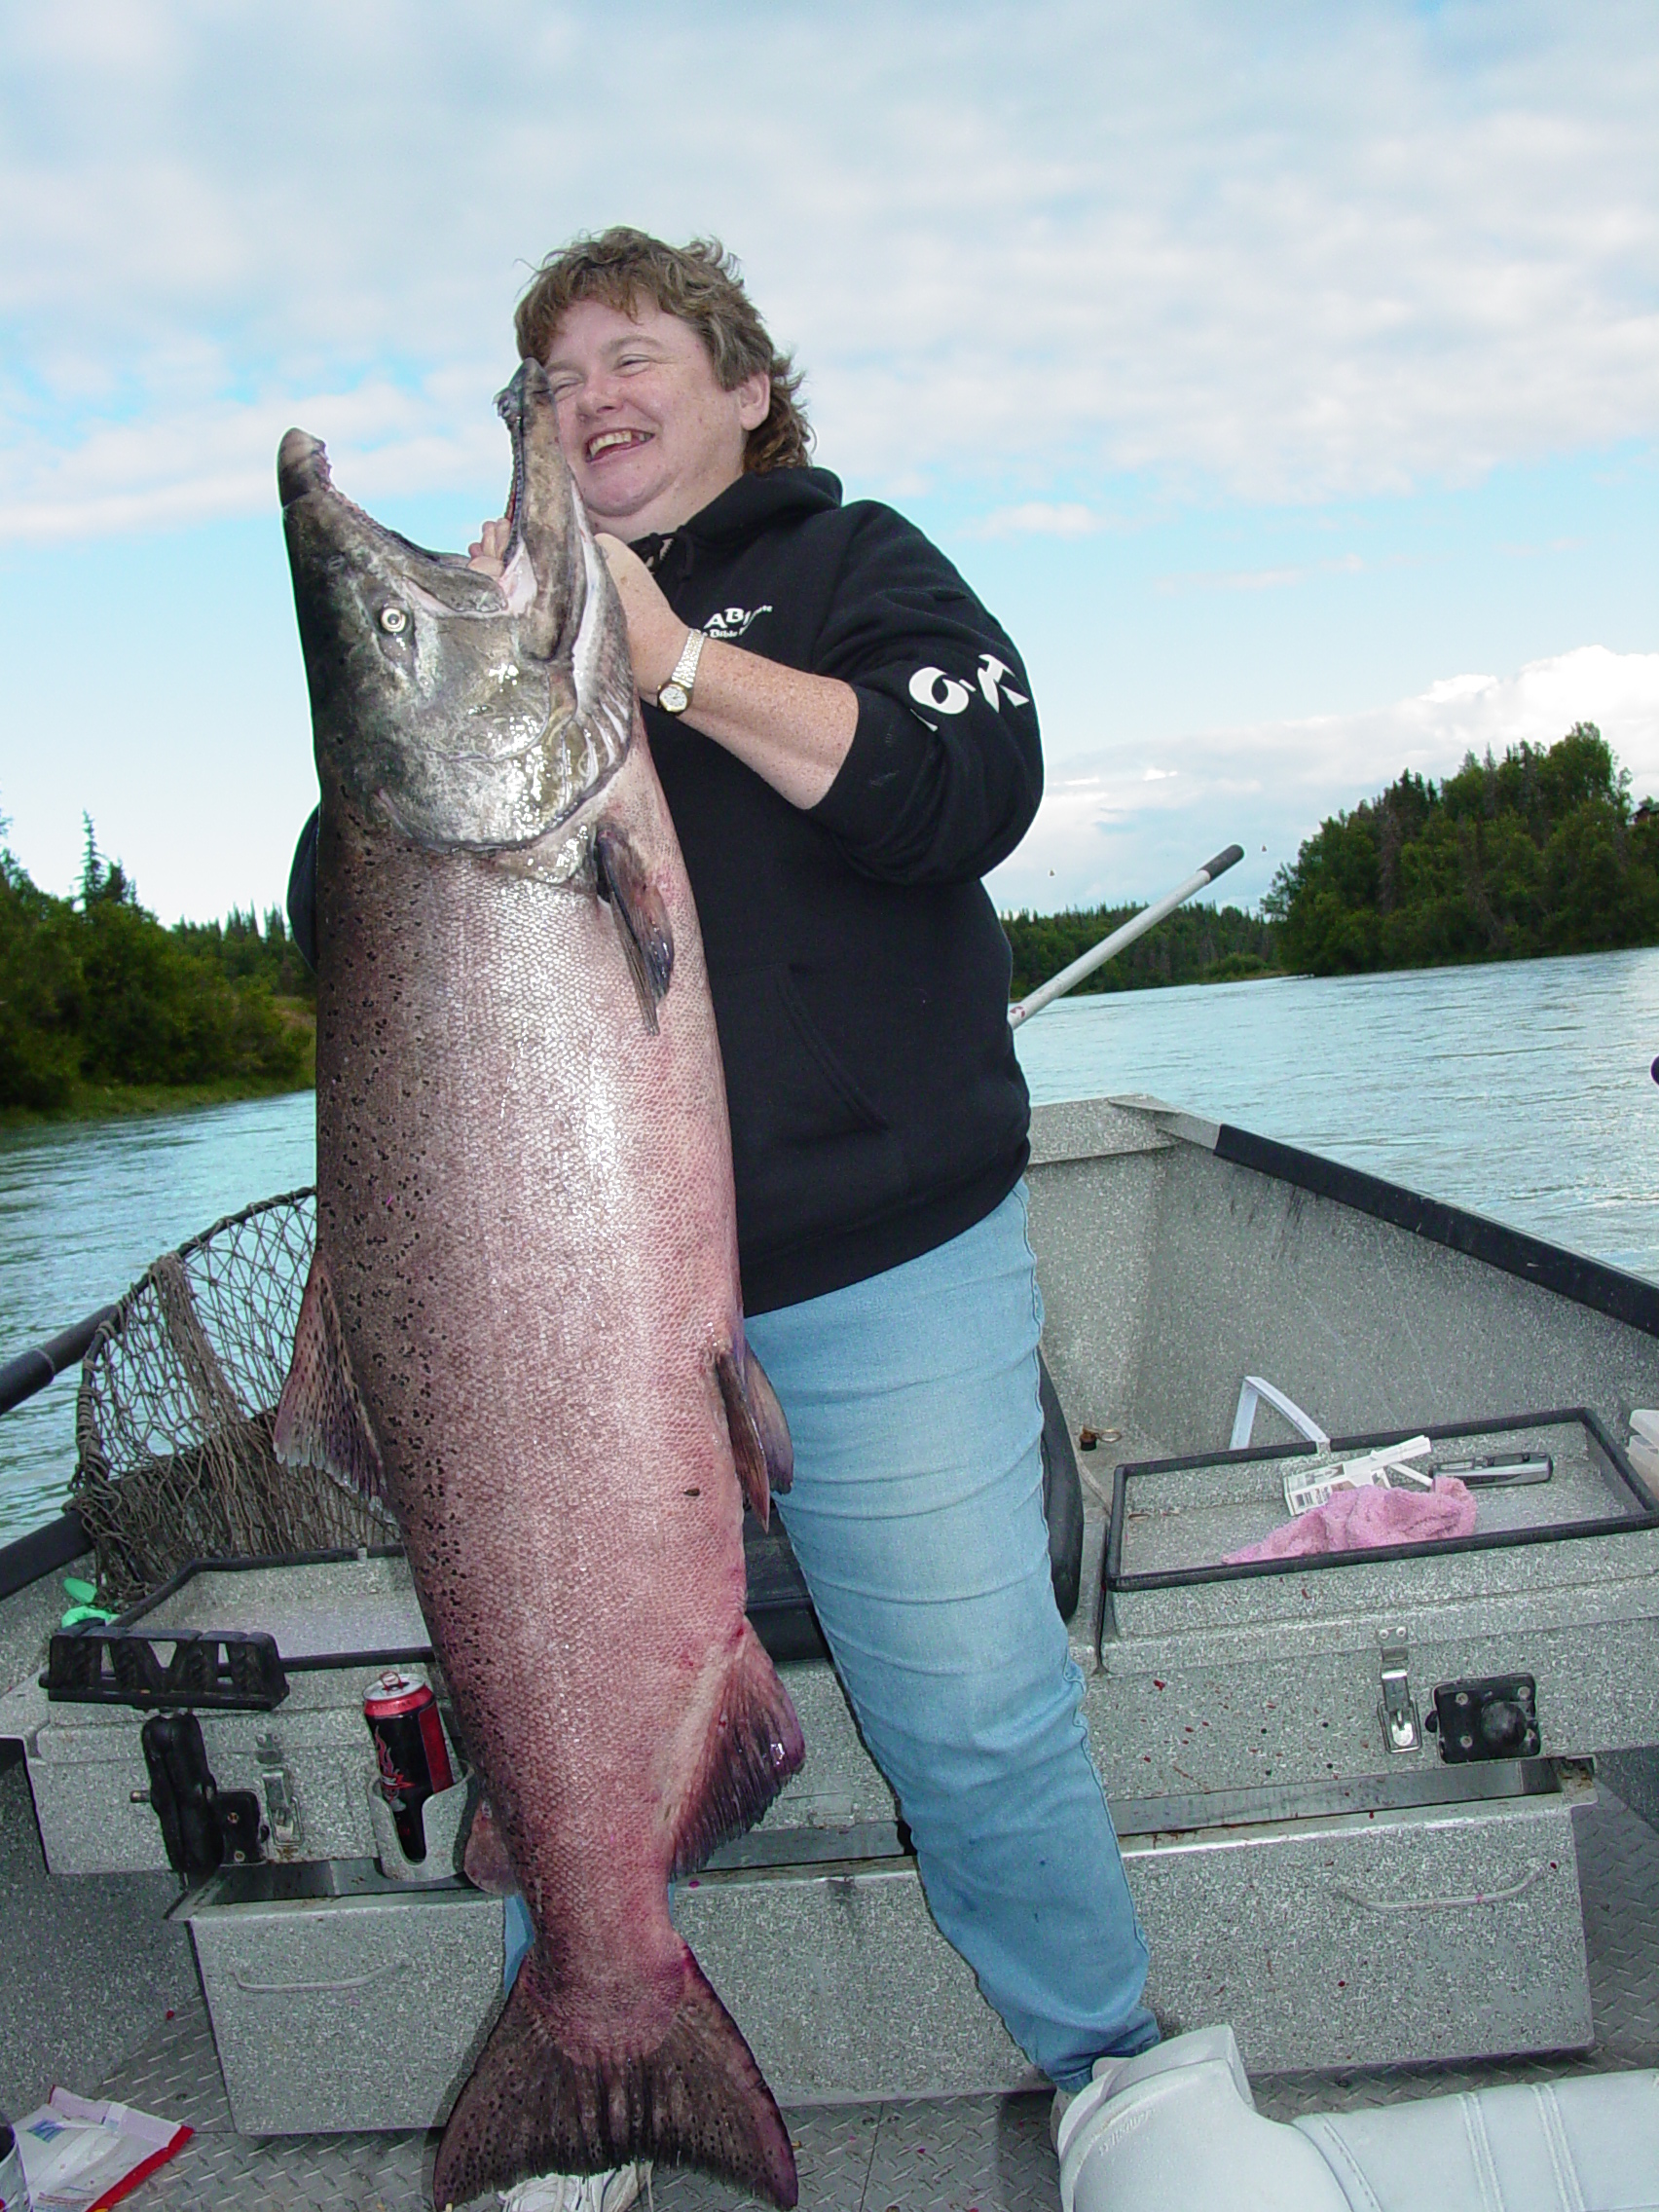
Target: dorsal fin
(321, 1420)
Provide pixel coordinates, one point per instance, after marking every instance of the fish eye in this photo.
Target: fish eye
(393, 621)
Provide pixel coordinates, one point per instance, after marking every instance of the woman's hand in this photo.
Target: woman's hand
(657, 636)
(487, 552)
(789, 727)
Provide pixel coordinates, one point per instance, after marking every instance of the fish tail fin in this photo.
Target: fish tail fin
(531, 2107)
(752, 1746)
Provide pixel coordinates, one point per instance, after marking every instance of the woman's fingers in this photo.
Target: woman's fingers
(487, 552)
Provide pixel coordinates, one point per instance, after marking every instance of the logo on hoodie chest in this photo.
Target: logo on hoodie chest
(730, 622)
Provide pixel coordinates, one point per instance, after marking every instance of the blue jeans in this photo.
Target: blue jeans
(916, 1515)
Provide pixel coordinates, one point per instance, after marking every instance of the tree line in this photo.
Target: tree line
(97, 994)
(1539, 852)
(1195, 944)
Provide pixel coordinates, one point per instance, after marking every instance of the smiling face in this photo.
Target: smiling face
(649, 435)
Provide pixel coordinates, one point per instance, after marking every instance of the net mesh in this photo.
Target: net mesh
(179, 1398)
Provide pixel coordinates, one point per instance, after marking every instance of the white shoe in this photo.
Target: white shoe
(611, 2192)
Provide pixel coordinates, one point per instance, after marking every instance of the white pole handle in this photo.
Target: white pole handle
(1137, 926)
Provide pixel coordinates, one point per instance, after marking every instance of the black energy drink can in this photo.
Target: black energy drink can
(413, 1757)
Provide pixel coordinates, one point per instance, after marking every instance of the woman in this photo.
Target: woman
(847, 744)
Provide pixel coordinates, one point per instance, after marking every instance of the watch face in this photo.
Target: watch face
(674, 698)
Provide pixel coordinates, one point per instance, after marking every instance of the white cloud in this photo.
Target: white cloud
(1038, 518)
(1294, 251)
(1115, 826)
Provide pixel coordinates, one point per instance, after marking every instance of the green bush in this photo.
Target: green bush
(1538, 851)
(95, 991)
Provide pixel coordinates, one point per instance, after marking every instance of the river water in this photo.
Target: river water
(1523, 1091)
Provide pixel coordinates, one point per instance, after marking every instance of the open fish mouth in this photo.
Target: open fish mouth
(462, 712)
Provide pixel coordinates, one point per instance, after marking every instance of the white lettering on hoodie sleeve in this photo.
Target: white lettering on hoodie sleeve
(931, 687)
(946, 695)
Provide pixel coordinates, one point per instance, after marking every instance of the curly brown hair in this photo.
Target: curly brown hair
(702, 286)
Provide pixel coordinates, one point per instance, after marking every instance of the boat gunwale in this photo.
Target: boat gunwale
(1553, 1268)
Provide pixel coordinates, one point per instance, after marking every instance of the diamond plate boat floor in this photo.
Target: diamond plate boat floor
(956, 2155)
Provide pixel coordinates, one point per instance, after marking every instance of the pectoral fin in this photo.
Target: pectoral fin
(641, 918)
(321, 1420)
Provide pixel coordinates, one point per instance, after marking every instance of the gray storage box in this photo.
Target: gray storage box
(335, 1621)
(1219, 1678)
(340, 2000)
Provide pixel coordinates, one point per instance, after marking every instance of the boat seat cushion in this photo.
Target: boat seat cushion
(1176, 2130)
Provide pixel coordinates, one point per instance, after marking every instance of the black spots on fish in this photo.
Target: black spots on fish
(641, 918)
(693, 1491)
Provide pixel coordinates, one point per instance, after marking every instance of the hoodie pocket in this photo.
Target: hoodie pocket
(811, 1149)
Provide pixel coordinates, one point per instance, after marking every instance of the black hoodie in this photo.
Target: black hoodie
(859, 973)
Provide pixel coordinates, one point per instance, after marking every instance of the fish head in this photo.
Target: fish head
(459, 711)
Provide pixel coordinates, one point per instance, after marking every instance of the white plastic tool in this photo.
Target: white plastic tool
(1392, 1467)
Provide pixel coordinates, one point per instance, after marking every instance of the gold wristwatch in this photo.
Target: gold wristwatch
(676, 694)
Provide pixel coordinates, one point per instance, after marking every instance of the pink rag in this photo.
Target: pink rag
(1352, 1519)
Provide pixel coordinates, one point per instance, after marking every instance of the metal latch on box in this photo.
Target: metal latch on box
(282, 1804)
(1402, 1730)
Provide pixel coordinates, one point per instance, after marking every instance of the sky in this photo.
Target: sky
(1285, 377)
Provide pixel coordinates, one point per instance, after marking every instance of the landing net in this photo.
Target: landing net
(178, 1397)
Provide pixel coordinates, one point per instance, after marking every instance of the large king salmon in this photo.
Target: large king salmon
(523, 1327)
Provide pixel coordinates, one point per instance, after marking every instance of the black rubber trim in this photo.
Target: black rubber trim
(1569, 1274)
(32, 1371)
(42, 1551)
(255, 1561)
(779, 1604)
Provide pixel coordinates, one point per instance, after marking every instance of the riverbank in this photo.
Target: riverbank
(126, 1102)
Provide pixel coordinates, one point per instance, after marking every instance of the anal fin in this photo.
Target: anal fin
(321, 1420)
(641, 918)
(533, 2107)
(753, 1746)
